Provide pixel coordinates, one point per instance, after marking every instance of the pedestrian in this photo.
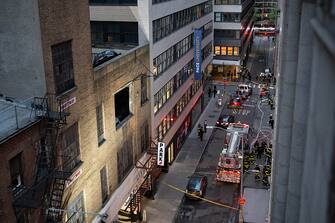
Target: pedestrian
(209, 92)
(200, 132)
(205, 126)
(271, 122)
(215, 91)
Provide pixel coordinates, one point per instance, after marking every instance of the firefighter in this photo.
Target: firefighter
(265, 181)
(257, 173)
(268, 155)
(267, 170)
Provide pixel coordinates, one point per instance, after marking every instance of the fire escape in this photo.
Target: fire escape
(147, 187)
(49, 182)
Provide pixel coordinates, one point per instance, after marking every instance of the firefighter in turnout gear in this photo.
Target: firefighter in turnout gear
(257, 173)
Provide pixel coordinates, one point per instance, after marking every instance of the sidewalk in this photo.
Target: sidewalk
(167, 200)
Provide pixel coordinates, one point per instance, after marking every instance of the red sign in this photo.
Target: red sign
(73, 177)
(68, 103)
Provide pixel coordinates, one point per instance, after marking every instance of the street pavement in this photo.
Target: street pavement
(163, 208)
(201, 157)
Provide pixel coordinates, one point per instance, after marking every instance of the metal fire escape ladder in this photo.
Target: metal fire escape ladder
(49, 109)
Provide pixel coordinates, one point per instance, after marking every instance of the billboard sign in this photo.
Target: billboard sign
(197, 53)
(160, 154)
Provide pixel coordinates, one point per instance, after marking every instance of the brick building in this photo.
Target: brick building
(90, 127)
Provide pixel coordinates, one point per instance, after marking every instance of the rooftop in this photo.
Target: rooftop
(14, 116)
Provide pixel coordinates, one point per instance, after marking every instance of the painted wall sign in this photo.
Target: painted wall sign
(68, 103)
(161, 154)
(197, 53)
(74, 177)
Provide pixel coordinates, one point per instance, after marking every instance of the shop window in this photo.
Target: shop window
(76, 215)
(217, 50)
(223, 50)
(104, 184)
(230, 51)
(122, 106)
(236, 51)
(15, 168)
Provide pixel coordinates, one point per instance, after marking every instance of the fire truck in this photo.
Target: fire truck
(231, 157)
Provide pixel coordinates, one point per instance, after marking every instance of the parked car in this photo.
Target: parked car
(104, 56)
(235, 103)
(197, 185)
(225, 120)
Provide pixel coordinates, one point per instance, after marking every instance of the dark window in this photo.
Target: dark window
(15, 167)
(70, 148)
(114, 33)
(100, 124)
(122, 110)
(144, 137)
(62, 66)
(144, 90)
(104, 184)
(125, 159)
(77, 206)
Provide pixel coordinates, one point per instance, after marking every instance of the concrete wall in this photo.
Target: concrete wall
(21, 59)
(305, 126)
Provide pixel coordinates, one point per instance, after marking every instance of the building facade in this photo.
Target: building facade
(233, 36)
(168, 27)
(73, 145)
(303, 166)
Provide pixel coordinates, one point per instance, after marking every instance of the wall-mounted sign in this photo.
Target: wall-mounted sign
(68, 103)
(160, 154)
(197, 53)
(73, 177)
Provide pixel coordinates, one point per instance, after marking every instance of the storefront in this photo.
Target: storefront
(179, 138)
(226, 72)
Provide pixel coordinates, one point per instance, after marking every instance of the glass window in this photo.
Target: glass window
(236, 51)
(62, 66)
(100, 124)
(217, 50)
(223, 50)
(230, 51)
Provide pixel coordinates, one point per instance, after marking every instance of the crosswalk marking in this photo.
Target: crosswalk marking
(244, 112)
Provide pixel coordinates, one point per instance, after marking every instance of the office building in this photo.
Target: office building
(168, 27)
(233, 36)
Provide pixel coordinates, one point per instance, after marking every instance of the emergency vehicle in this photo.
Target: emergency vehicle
(231, 157)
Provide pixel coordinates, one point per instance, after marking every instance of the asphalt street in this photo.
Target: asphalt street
(253, 113)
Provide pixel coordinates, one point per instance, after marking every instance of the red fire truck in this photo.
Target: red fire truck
(231, 157)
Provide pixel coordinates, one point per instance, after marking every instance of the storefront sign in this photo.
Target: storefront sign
(161, 154)
(68, 103)
(74, 177)
(197, 53)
